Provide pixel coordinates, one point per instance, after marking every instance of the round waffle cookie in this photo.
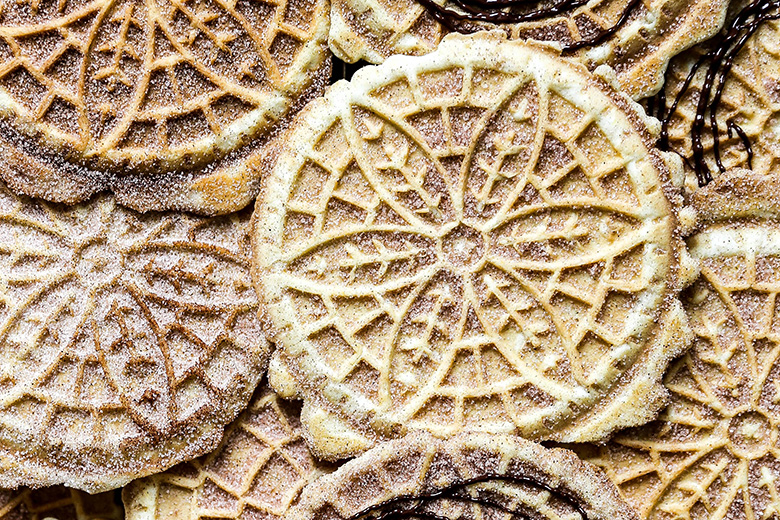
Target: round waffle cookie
(477, 238)
(137, 97)
(258, 471)
(635, 37)
(742, 98)
(468, 476)
(58, 503)
(127, 341)
(714, 452)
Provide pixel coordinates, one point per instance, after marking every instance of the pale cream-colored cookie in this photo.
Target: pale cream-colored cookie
(475, 239)
(467, 476)
(258, 471)
(137, 97)
(714, 452)
(748, 111)
(58, 503)
(127, 341)
(647, 33)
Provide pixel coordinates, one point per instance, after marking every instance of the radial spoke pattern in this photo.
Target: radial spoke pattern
(118, 332)
(714, 452)
(466, 247)
(155, 81)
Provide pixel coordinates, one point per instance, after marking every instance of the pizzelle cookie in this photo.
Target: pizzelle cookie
(257, 471)
(127, 341)
(137, 97)
(635, 37)
(477, 238)
(714, 452)
(58, 503)
(467, 476)
(733, 85)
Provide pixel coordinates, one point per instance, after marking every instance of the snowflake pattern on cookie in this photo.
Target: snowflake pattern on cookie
(714, 452)
(454, 242)
(163, 83)
(127, 341)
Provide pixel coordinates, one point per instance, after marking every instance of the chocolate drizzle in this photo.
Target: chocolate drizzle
(494, 11)
(413, 507)
(718, 62)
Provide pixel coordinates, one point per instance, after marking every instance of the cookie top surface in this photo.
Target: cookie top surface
(58, 502)
(143, 88)
(467, 476)
(715, 451)
(257, 471)
(127, 341)
(473, 239)
(635, 37)
(746, 107)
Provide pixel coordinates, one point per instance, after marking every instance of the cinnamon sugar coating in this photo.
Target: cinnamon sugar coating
(168, 103)
(127, 341)
(475, 239)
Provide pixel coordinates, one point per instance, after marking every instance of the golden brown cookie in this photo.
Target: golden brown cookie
(467, 476)
(127, 341)
(168, 103)
(475, 239)
(714, 452)
(258, 471)
(59, 503)
(635, 37)
(743, 98)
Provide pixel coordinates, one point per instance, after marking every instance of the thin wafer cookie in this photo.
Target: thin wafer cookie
(636, 38)
(127, 341)
(477, 238)
(257, 471)
(714, 452)
(467, 476)
(137, 97)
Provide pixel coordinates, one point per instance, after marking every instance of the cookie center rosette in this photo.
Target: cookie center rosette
(475, 239)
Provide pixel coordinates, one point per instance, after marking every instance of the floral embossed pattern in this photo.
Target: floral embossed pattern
(127, 341)
(258, 471)
(137, 96)
(714, 452)
(160, 78)
(452, 242)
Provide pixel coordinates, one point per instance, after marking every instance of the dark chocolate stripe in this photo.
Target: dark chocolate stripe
(412, 507)
(718, 62)
(492, 11)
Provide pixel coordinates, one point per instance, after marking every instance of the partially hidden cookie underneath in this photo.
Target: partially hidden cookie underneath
(635, 37)
(127, 341)
(714, 452)
(169, 104)
(738, 88)
(59, 503)
(258, 471)
(475, 239)
(466, 476)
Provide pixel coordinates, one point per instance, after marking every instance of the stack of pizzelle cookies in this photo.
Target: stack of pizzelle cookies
(230, 290)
